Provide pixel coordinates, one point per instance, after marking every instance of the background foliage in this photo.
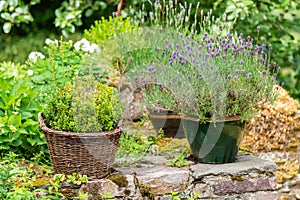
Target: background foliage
(279, 20)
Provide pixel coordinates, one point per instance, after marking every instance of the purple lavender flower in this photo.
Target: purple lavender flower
(224, 57)
(151, 68)
(236, 71)
(264, 72)
(243, 72)
(274, 64)
(229, 36)
(200, 77)
(206, 55)
(163, 53)
(235, 78)
(228, 76)
(278, 69)
(276, 83)
(205, 35)
(249, 75)
(189, 77)
(159, 84)
(282, 84)
(241, 61)
(270, 47)
(220, 27)
(249, 38)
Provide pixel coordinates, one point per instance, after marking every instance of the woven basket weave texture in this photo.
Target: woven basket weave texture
(90, 154)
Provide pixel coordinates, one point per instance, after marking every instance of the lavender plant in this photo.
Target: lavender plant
(211, 77)
(178, 16)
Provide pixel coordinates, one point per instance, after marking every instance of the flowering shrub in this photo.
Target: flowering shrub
(212, 76)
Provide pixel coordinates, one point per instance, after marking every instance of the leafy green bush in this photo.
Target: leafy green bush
(18, 112)
(105, 29)
(87, 107)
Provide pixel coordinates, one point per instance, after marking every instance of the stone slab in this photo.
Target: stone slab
(161, 179)
(246, 185)
(244, 164)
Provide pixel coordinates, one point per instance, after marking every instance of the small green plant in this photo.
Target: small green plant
(89, 106)
(132, 144)
(5, 176)
(107, 195)
(174, 195)
(83, 195)
(178, 161)
(74, 178)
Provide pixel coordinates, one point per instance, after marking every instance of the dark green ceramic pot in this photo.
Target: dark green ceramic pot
(214, 142)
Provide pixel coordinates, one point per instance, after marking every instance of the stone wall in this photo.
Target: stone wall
(249, 177)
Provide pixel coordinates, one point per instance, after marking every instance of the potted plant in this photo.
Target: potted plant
(80, 123)
(215, 81)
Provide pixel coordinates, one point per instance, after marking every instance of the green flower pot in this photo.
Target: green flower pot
(214, 143)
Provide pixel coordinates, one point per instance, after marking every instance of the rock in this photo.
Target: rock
(120, 189)
(243, 186)
(163, 180)
(243, 165)
(134, 101)
(103, 186)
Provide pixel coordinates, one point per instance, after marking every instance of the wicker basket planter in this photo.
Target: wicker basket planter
(90, 154)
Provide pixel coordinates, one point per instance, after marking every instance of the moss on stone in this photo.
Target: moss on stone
(119, 179)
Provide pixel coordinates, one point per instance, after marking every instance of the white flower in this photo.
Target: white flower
(33, 56)
(49, 41)
(94, 48)
(30, 72)
(82, 44)
(85, 45)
